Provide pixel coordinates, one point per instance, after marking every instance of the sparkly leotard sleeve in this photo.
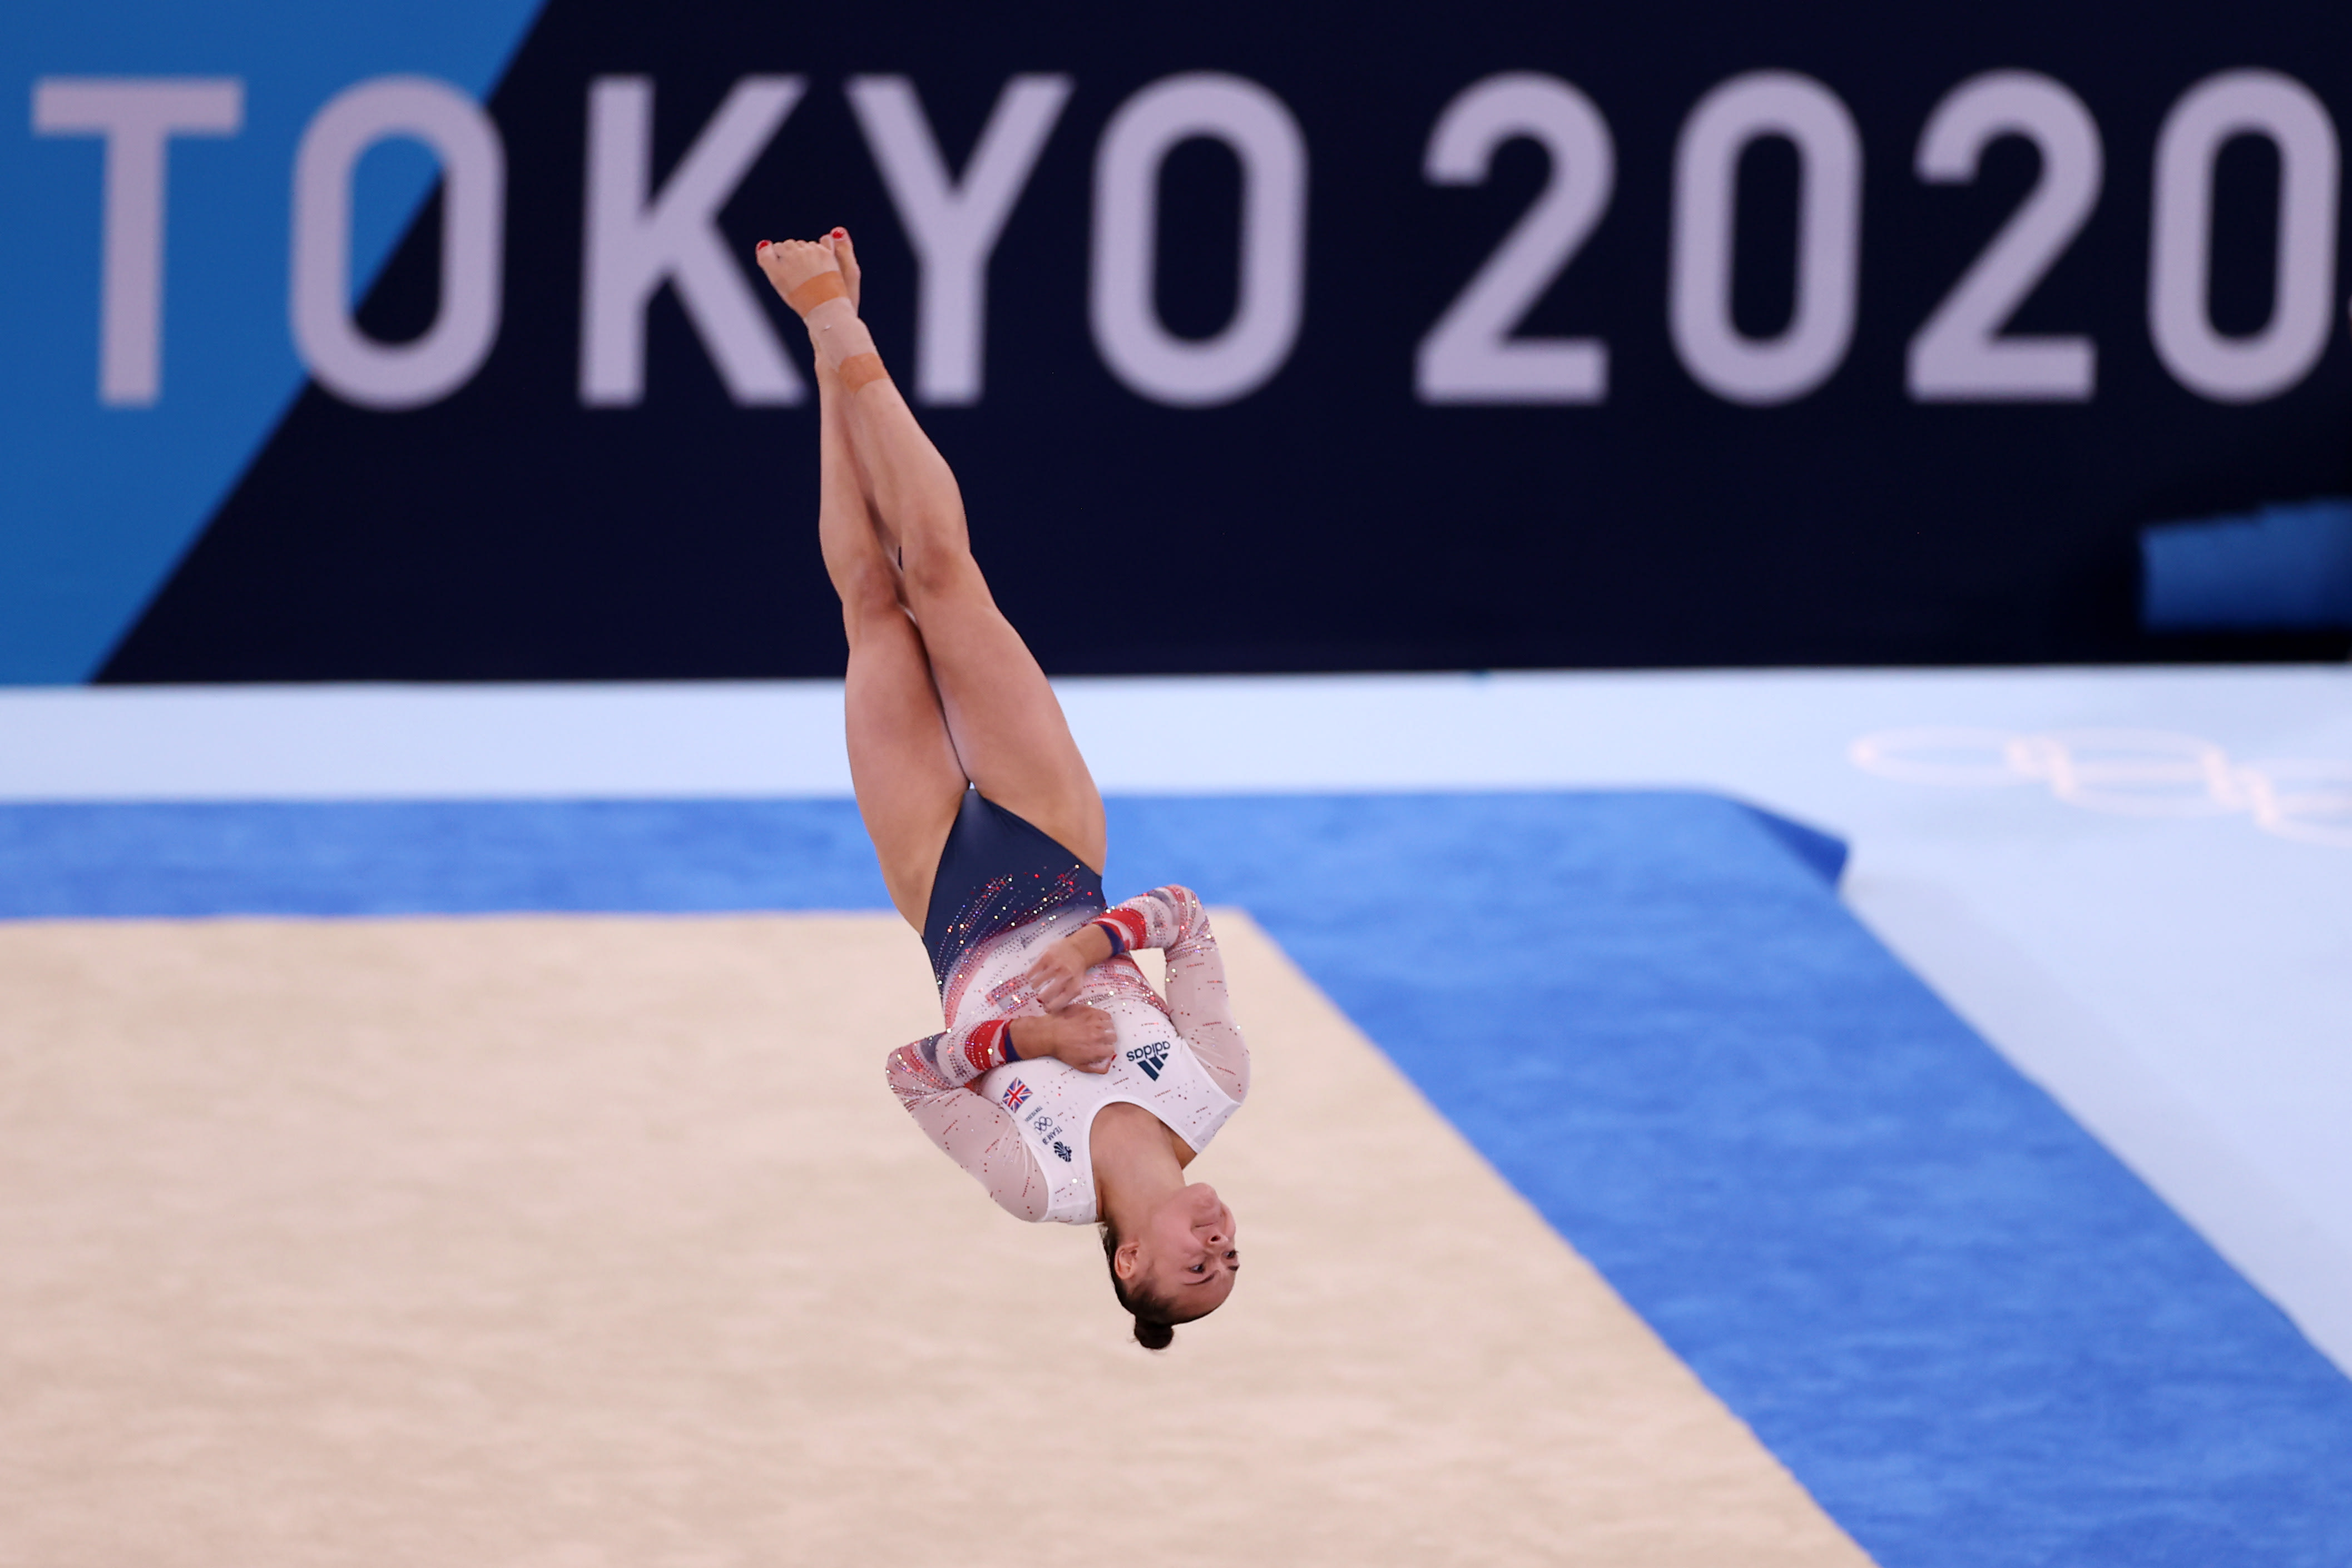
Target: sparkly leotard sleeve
(1172, 919)
(933, 1077)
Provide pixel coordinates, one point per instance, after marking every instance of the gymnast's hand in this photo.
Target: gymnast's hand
(1061, 969)
(1083, 1037)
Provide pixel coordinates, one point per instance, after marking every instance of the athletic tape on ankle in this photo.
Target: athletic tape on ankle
(862, 369)
(825, 286)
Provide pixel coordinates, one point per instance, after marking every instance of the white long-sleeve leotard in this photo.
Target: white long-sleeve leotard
(934, 1078)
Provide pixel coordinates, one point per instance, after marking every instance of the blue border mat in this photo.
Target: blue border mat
(432, 858)
(1974, 1335)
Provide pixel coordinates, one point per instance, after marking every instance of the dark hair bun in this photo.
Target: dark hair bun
(1153, 1336)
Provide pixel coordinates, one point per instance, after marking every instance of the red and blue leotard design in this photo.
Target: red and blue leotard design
(988, 922)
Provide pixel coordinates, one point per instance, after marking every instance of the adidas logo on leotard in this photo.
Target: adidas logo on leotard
(1151, 1058)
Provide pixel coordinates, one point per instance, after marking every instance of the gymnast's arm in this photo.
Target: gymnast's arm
(935, 1079)
(938, 1079)
(1172, 919)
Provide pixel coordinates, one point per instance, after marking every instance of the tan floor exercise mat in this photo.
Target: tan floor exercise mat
(567, 1242)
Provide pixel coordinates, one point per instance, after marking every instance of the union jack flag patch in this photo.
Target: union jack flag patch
(1016, 1094)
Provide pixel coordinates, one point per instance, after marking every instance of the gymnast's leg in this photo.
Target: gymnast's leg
(901, 762)
(1005, 725)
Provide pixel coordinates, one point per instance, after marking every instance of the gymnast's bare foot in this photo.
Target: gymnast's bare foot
(808, 274)
(800, 268)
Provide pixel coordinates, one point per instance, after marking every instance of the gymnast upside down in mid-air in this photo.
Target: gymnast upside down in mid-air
(1061, 1082)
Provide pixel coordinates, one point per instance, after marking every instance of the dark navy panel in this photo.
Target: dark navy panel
(1329, 520)
(1965, 1327)
(997, 871)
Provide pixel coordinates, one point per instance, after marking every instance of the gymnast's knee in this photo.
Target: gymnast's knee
(936, 567)
(868, 590)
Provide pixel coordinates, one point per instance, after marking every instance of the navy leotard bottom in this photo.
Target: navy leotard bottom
(997, 871)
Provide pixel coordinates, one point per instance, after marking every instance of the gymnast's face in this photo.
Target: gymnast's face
(1187, 1255)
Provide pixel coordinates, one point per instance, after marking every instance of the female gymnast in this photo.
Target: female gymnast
(1061, 1082)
